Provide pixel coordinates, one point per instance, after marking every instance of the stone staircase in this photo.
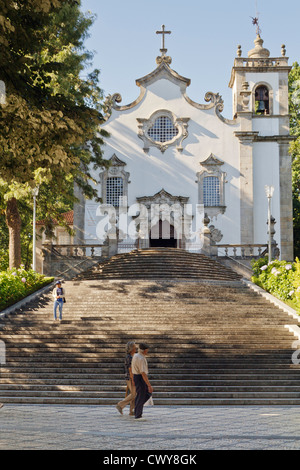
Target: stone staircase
(160, 263)
(213, 340)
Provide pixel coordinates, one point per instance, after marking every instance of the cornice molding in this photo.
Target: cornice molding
(250, 137)
(246, 136)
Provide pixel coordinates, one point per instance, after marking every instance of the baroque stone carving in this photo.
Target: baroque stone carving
(212, 167)
(144, 125)
(216, 101)
(216, 234)
(116, 169)
(162, 197)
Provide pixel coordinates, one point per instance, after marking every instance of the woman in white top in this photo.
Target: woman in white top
(58, 296)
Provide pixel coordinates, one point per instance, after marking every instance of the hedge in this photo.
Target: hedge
(16, 284)
(279, 278)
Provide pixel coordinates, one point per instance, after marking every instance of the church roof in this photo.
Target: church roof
(68, 216)
(162, 71)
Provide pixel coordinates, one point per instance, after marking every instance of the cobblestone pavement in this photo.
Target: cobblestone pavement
(51, 427)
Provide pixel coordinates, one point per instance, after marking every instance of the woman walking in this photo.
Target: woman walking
(130, 351)
(58, 297)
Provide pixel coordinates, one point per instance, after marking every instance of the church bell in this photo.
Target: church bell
(261, 106)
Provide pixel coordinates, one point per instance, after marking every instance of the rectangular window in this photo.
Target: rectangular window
(211, 191)
(114, 190)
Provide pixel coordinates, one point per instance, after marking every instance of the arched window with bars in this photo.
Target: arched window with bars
(114, 190)
(211, 191)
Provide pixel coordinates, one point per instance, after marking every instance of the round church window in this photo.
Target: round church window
(163, 130)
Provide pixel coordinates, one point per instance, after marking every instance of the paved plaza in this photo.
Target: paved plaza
(52, 427)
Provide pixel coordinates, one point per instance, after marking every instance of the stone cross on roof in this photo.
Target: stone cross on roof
(163, 50)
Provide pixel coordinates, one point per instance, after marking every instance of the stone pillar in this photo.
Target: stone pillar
(79, 215)
(286, 200)
(246, 185)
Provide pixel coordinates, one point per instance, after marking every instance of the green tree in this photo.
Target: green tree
(50, 123)
(294, 101)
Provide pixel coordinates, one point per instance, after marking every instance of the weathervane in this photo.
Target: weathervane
(255, 22)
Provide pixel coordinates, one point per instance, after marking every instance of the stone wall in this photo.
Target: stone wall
(66, 267)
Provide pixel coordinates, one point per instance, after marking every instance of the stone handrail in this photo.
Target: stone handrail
(261, 61)
(77, 250)
(244, 250)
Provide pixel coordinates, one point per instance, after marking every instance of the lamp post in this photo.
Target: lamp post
(269, 193)
(35, 193)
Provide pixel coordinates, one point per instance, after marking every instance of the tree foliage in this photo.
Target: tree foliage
(294, 101)
(50, 130)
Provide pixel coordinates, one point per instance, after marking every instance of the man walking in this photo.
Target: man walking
(143, 387)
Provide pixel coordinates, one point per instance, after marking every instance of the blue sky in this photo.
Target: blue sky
(203, 43)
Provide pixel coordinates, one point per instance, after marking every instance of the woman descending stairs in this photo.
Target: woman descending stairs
(213, 340)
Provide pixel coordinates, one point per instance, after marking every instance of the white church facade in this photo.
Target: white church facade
(167, 151)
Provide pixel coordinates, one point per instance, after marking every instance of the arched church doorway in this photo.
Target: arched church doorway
(163, 235)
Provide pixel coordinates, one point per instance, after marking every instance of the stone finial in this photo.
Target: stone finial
(239, 51)
(259, 52)
(283, 50)
(163, 58)
(206, 220)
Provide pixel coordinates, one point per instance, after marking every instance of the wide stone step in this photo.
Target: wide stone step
(27, 389)
(189, 365)
(55, 349)
(116, 396)
(194, 356)
(194, 385)
(158, 402)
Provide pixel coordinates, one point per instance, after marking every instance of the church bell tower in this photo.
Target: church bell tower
(259, 86)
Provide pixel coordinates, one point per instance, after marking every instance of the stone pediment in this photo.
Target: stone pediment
(115, 161)
(163, 71)
(162, 197)
(211, 162)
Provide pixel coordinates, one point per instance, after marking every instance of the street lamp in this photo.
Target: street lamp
(35, 193)
(269, 193)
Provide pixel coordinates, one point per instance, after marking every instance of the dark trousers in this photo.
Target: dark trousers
(142, 395)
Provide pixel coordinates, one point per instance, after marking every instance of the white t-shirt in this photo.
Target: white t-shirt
(139, 364)
(54, 293)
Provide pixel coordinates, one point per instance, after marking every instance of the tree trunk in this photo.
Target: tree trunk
(13, 221)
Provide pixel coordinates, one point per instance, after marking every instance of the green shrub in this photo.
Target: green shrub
(15, 284)
(279, 278)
